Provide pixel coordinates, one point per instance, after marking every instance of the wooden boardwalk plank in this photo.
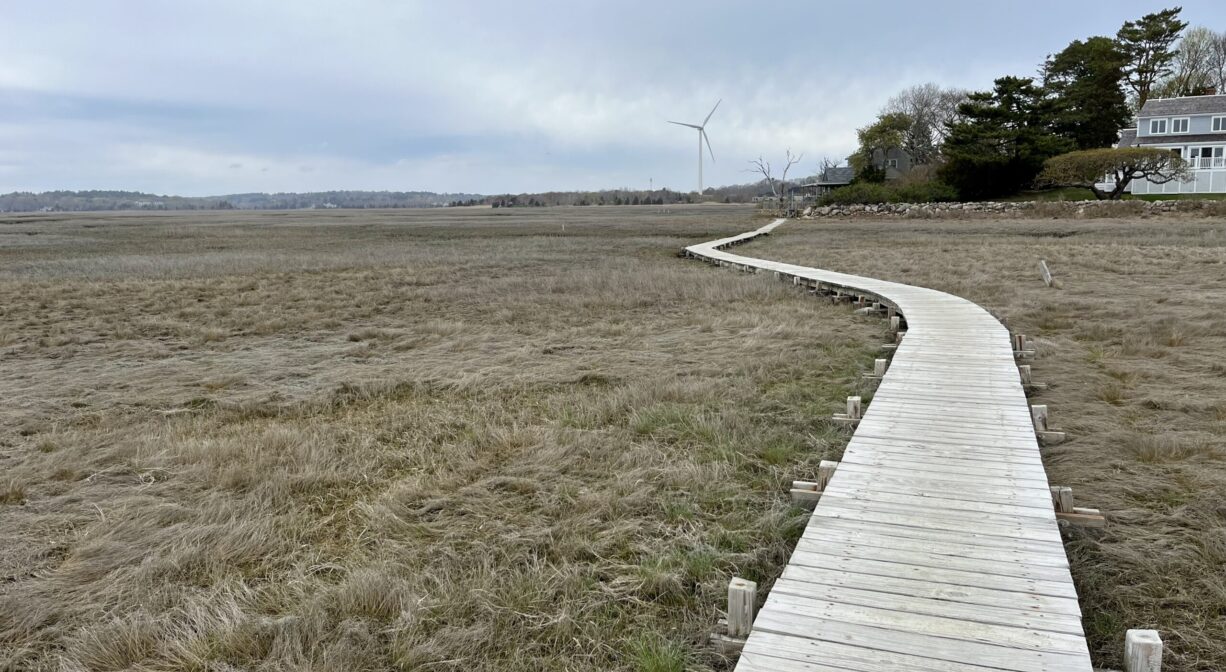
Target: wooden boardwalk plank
(934, 546)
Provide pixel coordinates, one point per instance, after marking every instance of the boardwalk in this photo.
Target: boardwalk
(935, 545)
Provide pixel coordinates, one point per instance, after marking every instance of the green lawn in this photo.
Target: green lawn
(1076, 194)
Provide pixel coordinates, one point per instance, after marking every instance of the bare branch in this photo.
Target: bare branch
(791, 161)
(763, 166)
(930, 108)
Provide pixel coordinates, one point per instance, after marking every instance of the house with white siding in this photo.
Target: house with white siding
(1194, 127)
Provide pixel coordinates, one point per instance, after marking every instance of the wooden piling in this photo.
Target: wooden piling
(1045, 273)
(1142, 651)
(1062, 498)
(742, 603)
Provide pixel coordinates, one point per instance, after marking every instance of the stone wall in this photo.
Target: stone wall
(1022, 209)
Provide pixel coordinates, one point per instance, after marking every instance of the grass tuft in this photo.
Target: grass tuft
(13, 493)
(652, 653)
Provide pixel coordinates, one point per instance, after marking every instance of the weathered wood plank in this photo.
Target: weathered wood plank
(934, 546)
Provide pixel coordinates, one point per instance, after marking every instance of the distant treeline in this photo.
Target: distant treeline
(79, 201)
(740, 193)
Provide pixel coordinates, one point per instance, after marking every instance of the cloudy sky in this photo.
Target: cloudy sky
(220, 96)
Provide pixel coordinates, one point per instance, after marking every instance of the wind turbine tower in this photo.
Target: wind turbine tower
(702, 137)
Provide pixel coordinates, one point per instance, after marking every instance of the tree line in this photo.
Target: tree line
(993, 143)
(90, 200)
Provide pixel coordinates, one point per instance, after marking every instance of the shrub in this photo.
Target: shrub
(859, 193)
(865, 193)
(1124, 164)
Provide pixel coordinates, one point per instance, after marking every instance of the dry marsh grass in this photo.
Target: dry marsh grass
(1131, 347)
(397, 440)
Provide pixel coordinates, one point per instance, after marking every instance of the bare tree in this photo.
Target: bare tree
(824, 166)
(791, 161)
(1217, 62)
(763, 166)
(930, 109)
(1192, 71)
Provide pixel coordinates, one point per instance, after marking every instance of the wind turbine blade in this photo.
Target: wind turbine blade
(681, 123)
(704, 137)
(704, 121)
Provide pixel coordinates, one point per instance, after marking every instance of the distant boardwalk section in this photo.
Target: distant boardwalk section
(934, 546)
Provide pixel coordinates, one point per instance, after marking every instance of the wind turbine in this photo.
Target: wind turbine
(702, 136)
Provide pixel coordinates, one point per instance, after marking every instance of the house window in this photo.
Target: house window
(1219, 125)
(1179, 125)
(891, 163)
(1157, 126)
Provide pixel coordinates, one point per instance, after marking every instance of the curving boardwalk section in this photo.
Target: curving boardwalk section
(935, 544)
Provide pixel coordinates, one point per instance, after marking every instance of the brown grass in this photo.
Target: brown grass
(1131, 347)
(419, 440)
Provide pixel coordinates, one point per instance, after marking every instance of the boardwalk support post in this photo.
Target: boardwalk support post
(1023, 370)
(1068, 513)
(895, 324)
(825, 471)
(879, 366)
(742, 604)
(1046, 436)
(852, 416)
(1062, 498)
(1022, 347)
(807, 493)
(1142, 651)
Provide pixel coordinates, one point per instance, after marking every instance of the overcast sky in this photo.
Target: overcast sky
(221, 96)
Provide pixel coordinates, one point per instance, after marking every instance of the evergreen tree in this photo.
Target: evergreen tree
(1148, 45)
(1085, 82)
(999, 141)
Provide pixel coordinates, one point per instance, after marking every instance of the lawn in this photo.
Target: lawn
(1079, 194)
(462, 439)
(1130, 346)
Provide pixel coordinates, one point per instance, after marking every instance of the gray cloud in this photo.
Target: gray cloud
(170, 97)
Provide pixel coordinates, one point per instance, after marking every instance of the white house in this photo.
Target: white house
(1194, 127)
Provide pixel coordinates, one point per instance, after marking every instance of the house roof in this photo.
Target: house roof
(1128, 138)
(1180, 139)
(1161, 107)
(839, 175)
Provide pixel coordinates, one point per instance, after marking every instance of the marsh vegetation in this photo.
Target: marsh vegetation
(429, 440)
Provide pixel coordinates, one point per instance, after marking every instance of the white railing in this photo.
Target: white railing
(1206, 162)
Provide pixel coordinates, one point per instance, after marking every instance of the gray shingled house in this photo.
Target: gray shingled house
(1193, 127)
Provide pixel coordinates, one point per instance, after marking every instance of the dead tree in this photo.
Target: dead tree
(791, 161)
(763, 166)
(778, 186)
